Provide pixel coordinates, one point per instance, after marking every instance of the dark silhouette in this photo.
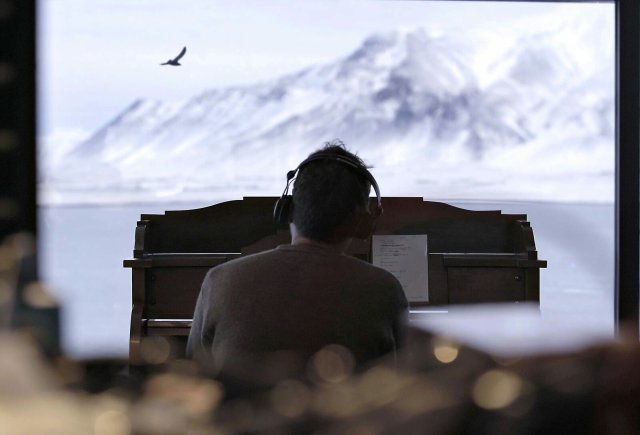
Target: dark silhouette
(260, 318)
(175, 60)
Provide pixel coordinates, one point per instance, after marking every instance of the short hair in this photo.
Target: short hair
(326, 192)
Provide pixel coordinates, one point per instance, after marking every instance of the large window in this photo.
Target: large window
(481, 104)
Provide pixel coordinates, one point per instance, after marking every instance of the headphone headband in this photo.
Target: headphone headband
(281, 208)
(345, 160)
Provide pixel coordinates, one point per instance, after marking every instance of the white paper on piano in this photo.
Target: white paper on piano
(406, 257)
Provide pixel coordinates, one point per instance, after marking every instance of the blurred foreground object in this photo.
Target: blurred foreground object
(437, 385)
(25, 303)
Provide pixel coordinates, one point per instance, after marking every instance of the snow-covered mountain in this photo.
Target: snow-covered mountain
(441, 116)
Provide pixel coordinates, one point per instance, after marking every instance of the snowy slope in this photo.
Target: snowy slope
(438, 116)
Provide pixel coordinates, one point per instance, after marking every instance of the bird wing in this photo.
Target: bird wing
(184, 50)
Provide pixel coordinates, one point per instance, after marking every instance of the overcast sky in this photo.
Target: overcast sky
(96, 57)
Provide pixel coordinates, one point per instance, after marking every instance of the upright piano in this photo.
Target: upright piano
(473, 257)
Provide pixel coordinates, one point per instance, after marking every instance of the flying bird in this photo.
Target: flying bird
(175, 60)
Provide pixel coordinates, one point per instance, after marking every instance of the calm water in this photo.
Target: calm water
(82, 249)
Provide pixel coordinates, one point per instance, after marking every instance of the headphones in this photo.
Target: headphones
(282, 207)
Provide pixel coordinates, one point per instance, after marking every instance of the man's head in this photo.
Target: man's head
(328, 193)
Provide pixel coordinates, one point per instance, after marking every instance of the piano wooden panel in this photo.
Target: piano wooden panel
(474, 256)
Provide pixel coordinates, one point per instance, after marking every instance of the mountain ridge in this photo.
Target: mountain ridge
(398, 97)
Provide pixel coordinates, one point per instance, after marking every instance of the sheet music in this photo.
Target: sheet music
(406, 257)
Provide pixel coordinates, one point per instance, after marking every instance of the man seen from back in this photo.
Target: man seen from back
(297, 299)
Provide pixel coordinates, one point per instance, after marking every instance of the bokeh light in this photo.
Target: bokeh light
(496, 389)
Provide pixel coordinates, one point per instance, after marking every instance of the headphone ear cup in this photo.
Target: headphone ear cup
(281, 209)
